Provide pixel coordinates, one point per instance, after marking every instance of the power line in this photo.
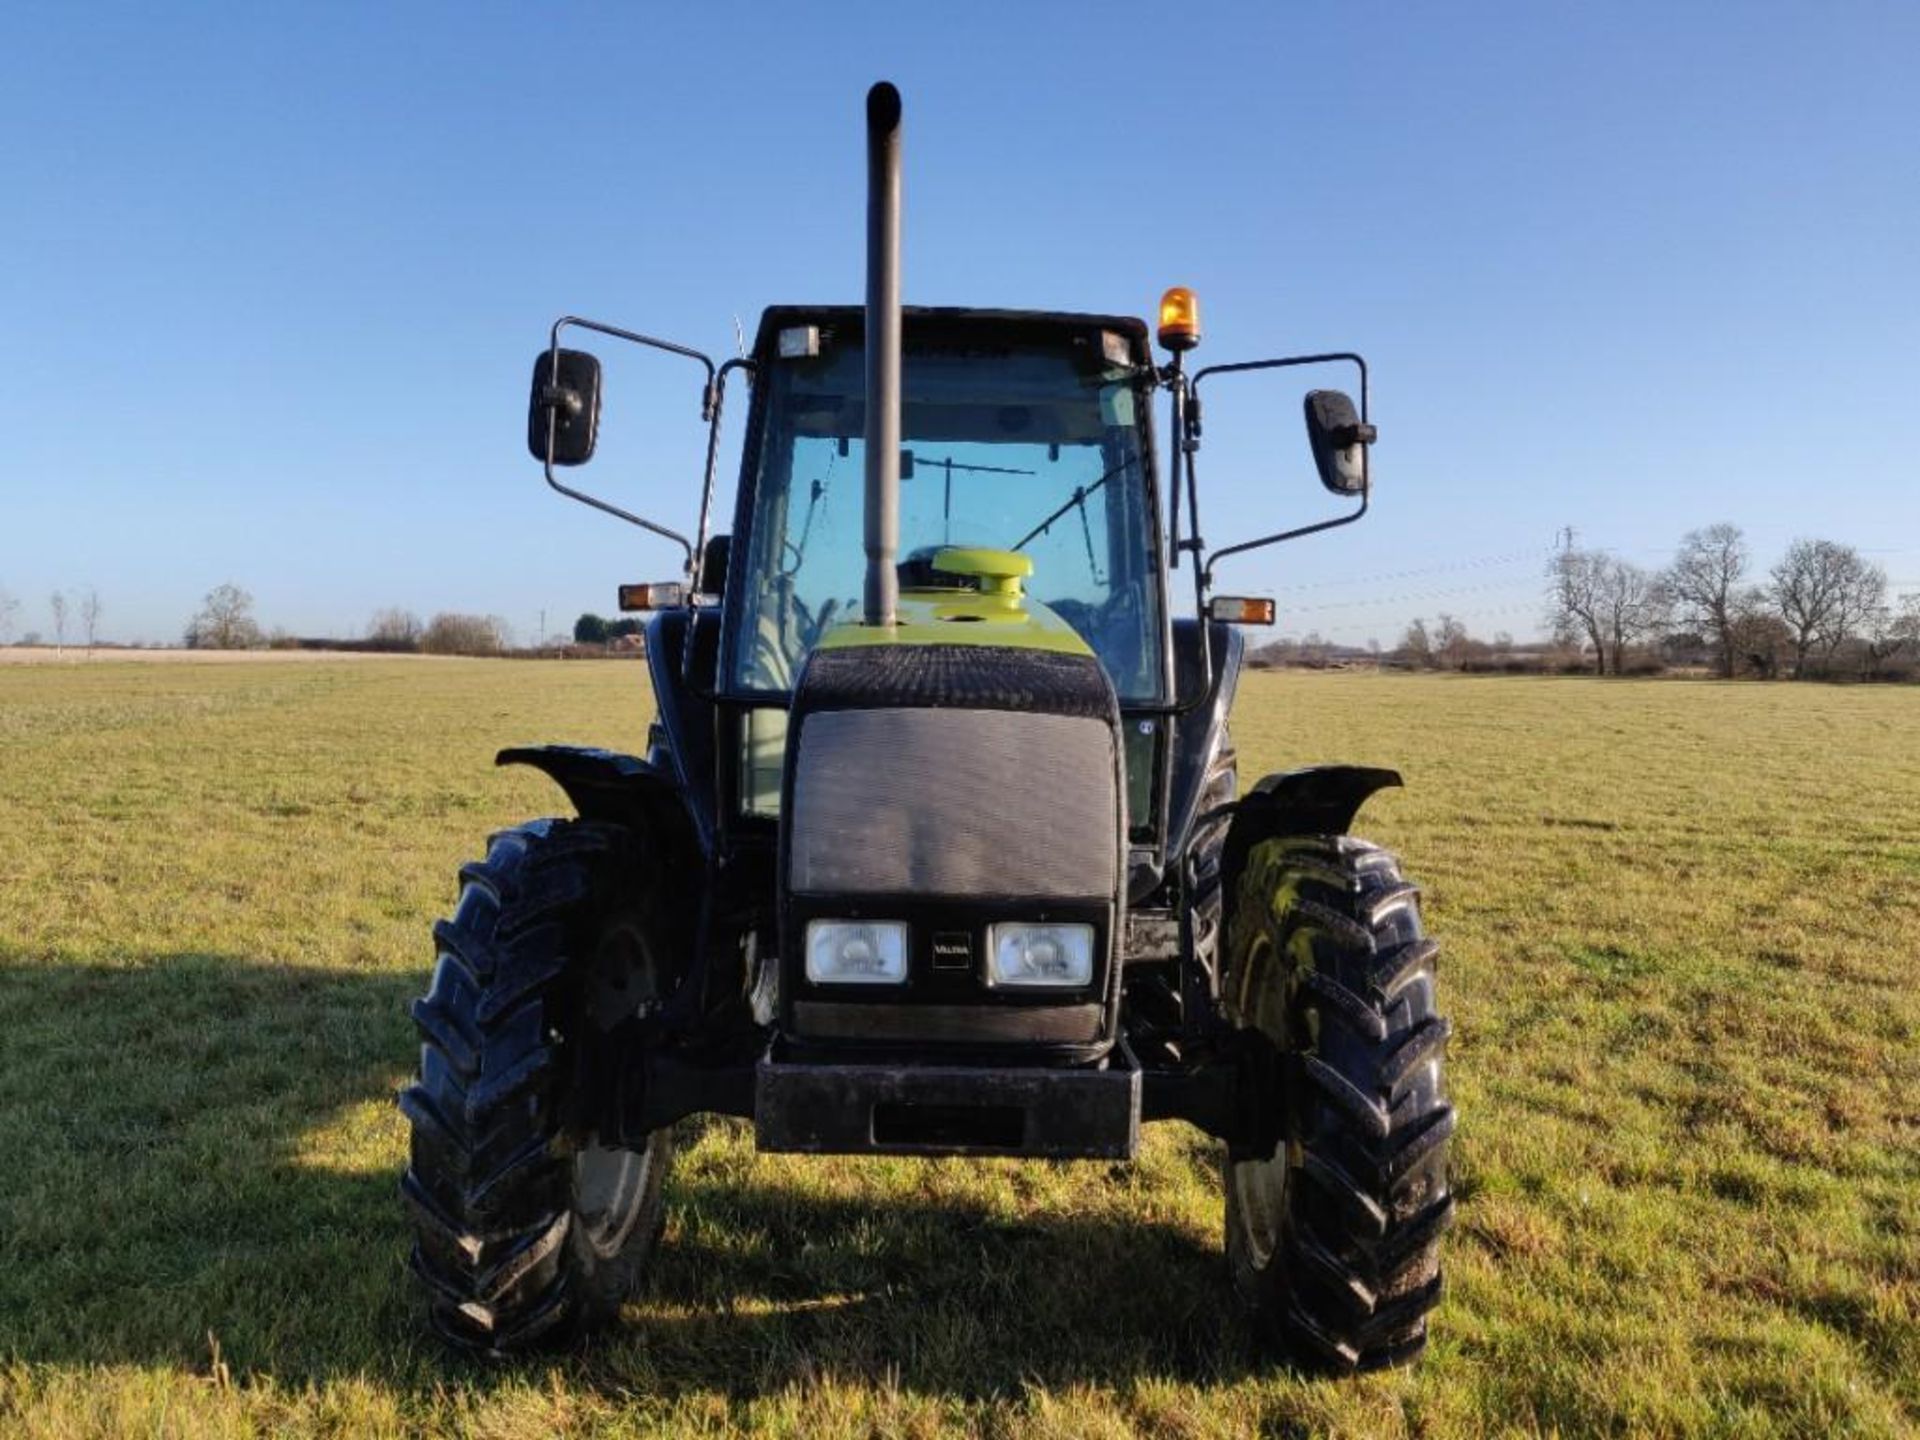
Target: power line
(1407, 598)
(1483, 562)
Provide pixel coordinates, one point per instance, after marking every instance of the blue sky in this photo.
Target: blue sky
(274, 276)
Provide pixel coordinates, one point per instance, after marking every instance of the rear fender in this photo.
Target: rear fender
(1317, 800)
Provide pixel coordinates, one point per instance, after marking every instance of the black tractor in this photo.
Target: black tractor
(938, 846)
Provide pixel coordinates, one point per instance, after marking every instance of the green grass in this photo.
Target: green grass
(1683, 951)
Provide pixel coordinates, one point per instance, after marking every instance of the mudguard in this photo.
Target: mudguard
(605, 785)
(1317, 800)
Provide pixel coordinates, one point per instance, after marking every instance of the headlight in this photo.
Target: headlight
(856, 952)
(1059, 955)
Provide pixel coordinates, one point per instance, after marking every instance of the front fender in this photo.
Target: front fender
(1317, 800)
(605, 785)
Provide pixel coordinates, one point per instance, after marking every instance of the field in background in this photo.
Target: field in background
(1683, 957)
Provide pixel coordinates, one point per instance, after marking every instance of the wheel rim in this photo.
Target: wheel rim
(1260, 1186)
(610, 1183)
(608, 1187)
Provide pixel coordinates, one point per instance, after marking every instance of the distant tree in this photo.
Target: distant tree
(1704, 583)
(590, 629)
(626, 626)
(1823, 592)
(1888, 633)
(225, 621)
(1633, 605)
(1452, 644)
(1416, 646)
(90, 617)
(1574, 604)
(1761, 642)
(1863, 595)
(57, 603)
(9, 611)
(453, 634)
(395, 629)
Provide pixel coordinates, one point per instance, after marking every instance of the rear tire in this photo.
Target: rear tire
(1334, 1239)
(527, 1229)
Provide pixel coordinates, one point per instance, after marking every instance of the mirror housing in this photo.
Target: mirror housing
(1339, 439)
(563, 409)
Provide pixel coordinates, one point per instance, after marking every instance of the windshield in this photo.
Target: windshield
(1031, 446)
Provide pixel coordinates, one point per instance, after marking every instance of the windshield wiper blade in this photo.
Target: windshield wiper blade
(1081, 493)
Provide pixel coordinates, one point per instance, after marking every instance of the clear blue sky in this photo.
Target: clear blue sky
(273, 276)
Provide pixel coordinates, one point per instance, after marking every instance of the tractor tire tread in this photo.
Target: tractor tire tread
(1351, 1271)
(489, 1184)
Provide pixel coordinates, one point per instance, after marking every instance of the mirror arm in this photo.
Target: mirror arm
(1334, 524)
(1288, 362)
(1364, 434)
(709, 405)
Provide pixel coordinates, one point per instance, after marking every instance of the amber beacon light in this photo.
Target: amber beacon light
(1179, 319)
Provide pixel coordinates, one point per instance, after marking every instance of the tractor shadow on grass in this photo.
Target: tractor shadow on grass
(759, 1286)
(201, 1151)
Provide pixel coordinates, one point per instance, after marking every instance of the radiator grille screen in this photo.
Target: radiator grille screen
(954, 802)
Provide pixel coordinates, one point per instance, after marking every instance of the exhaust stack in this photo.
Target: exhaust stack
(883, 353)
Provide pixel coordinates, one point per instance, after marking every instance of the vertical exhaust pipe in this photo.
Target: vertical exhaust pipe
(883, 353)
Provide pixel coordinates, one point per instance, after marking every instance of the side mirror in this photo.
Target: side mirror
(1339, 439)
(564, 409)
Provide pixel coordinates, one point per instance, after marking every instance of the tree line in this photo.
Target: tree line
(1823, 611)
(225, 621)
(76, 613)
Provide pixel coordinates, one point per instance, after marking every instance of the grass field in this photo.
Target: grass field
(1683, 957)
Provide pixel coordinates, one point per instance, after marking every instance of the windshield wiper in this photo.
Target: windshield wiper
(1081, 494)
(949, 464)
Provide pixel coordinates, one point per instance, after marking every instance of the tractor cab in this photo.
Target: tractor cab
(1027, 509)
(1026, 462)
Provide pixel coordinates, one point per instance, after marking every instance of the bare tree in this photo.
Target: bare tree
(225, 621)
(9, 611)
(1889, 631)
(1416, 646)
(1451, 642)
(451, 634)
(1815, 589)
(1574, 604)
(1704, 582)
(395, 629)
(1633, 605)
(57, 603)
(90, 617)
(1863, 594)
(1760, 638)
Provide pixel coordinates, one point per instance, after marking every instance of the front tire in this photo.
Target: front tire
(528, 1229)
(1334, 1239)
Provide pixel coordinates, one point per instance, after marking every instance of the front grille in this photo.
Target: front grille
(954, 802)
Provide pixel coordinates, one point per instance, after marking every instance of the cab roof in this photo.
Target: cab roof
(923, 321)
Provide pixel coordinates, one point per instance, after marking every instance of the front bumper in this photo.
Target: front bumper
(917, 1109)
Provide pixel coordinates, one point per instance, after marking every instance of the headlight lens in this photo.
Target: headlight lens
(1060, 955)
(856, 952)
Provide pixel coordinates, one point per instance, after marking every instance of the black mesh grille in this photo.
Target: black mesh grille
(961, 677)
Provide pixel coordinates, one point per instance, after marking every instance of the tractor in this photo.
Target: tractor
(938, 845)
